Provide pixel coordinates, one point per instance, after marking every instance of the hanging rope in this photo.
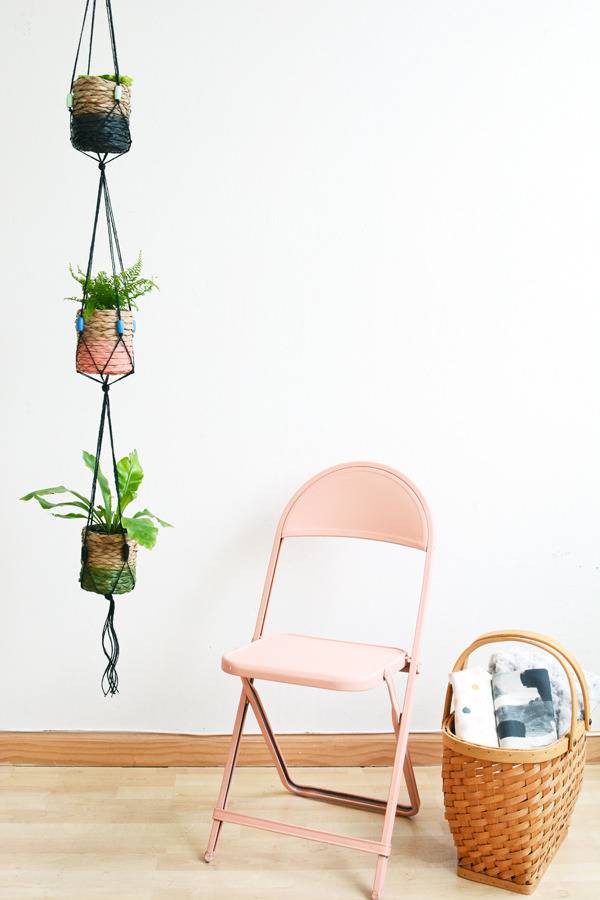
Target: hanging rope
(99, 118)
(110, 645)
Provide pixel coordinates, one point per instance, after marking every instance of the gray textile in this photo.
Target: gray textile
(524, 709)
(531, 658)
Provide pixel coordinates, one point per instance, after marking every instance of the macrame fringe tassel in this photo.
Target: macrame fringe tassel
(110, 646)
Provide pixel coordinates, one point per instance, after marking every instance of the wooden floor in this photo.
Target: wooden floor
(79, 833)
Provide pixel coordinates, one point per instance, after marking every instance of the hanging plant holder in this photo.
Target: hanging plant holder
(99, 105)
(108, 562)
(105, 326)
(100, 115)
(105, 342)
(99, 110)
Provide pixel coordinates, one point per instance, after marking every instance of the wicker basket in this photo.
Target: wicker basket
(105, 568)
(509, 810)
(100, 349)
(99, 123)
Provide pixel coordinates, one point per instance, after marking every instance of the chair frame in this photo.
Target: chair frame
(402, 764)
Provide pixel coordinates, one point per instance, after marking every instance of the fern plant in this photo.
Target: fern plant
(141, 527)
(104, 288)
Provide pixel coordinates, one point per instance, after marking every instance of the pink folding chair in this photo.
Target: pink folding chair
(355, 500)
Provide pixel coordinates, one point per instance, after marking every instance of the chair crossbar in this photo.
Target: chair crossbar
(310, 834)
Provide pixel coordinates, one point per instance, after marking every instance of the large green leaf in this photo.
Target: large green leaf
(146, 512)
(90, 461)
(142, 530)
(130, 475)
(40, 496)
(61, 489)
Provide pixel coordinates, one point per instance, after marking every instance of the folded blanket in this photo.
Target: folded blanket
(474, 719)
(524, 709)
(532, 658)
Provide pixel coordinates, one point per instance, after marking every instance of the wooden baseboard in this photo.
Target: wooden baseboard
(128, 748)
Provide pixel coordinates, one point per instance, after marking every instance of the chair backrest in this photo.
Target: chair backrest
(356, 500)
(360, 500)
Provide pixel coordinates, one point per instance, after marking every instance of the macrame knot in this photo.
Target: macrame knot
(102, 165)
(105, 387)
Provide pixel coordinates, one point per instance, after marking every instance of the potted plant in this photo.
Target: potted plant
(100, 106)
(105, 340)
(110, 538)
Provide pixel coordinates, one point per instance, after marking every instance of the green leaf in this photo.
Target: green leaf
(146, 512)
(103, 517)
(142, 530)
(80, 496)
(68, 516)
(61, 489)
(90, 461)
(77, 503)
(130, 475)
(40, 496)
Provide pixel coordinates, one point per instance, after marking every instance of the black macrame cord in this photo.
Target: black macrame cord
(110, 128)
(86, 129)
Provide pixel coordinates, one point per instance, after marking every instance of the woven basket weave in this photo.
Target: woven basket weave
(99, 123)
(100, 351)
(105, 570)
(92, 94)
(509, 810)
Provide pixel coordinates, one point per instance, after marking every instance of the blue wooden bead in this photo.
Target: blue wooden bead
(80, 323)
(120, 326)
(133, 327)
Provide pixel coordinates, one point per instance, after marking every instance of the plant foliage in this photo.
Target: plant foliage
(103, 290)
(124, 79)
(142, 526)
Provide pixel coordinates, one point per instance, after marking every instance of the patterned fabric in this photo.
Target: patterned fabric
(530, 658)
(524, 709)
(474, 719)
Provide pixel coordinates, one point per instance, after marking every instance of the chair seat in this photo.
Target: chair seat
(314, 662)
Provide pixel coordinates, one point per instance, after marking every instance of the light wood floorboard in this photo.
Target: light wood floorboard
(139, 834)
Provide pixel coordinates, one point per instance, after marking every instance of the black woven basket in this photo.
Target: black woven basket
(101, 132)
(100, 115)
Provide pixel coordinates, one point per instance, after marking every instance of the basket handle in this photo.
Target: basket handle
(544, 643)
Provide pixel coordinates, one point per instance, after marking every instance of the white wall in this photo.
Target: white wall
(376, 230)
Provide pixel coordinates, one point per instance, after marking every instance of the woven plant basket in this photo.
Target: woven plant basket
(509, 810)
(99, 123)
(100, 349)
(106, 570)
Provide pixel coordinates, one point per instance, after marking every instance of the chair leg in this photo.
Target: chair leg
(356, 801)
(227, 775)
(380, 874)
(411, 785)
(399, 766)
(409, 772)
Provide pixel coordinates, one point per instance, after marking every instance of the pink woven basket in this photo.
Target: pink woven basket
(100, 349)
